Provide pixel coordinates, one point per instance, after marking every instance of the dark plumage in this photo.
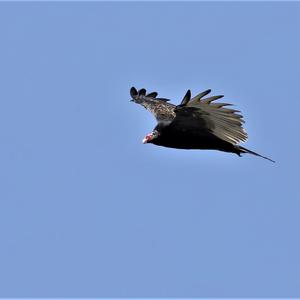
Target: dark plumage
(196, 123)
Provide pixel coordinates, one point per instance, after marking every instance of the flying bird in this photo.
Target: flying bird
(196, 123)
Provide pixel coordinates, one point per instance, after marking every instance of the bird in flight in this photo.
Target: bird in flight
(196, 123)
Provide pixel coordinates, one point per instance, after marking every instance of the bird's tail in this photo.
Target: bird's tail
(245, 150)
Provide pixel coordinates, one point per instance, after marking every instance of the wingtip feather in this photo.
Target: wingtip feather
(186, 98)
(142, 92)
(133, 92)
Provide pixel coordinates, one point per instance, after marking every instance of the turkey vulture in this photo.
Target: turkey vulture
(196, 123)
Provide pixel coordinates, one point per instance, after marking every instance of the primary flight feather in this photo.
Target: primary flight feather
(196, 123)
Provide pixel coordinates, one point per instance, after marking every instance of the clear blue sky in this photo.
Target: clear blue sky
(87, 210)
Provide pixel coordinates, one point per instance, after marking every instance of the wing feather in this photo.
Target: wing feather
(200, 96)
(142, 92)
(211, 99)
(152, 95)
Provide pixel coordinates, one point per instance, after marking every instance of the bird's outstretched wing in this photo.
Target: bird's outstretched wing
(163, 111)
(202, 115)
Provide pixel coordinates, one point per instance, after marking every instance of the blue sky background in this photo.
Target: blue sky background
(87, 210)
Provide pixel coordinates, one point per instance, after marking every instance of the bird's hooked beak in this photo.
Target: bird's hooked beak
(147, 138)
(150, 136)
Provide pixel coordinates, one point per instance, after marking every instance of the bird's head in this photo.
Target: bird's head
(150, 137)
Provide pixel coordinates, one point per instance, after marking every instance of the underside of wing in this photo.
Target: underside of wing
(223, 122)
(159, 107)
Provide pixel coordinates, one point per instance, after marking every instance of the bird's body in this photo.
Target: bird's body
(189, 139)
(196, 123)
